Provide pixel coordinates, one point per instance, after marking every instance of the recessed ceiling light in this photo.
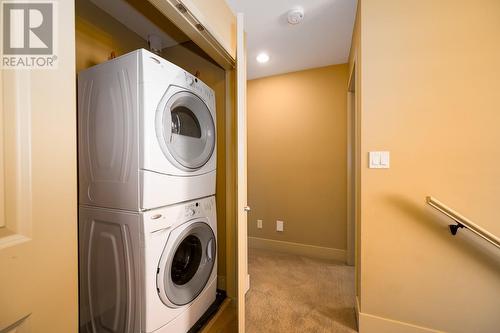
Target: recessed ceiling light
(263, 58)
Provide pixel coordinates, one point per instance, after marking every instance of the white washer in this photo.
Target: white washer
(147, 134)
(181, 273)
(147, 272)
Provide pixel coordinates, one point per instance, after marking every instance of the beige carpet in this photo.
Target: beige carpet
(290, 293)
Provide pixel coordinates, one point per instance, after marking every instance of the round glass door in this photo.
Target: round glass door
(187, 130)
(186, 260)
(188, 267)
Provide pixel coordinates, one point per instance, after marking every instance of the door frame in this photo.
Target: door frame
(241, 178)
(354, 179)
(351, 168)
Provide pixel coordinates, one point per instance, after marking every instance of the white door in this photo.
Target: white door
(38, 228)
(241, 92)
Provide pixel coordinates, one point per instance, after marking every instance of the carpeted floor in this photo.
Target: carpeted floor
(290, 293)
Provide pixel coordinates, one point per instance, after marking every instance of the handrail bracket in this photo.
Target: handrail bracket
(454, 228)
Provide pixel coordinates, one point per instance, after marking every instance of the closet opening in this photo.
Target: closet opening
(115, 273)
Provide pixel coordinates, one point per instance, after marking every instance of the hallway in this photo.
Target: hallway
(290, 293)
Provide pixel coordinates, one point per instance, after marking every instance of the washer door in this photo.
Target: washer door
(185, 129)
(186, 267)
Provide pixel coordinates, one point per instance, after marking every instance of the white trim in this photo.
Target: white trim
(12, 240)
(189, 23)
(241, 173)
(298, 249)
(200, 17)
(375, 324)
(16, 92)
(351, 186)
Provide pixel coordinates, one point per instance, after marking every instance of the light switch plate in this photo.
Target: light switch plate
(385, 159)
(279, 226)
(259, 224)
(379, 160)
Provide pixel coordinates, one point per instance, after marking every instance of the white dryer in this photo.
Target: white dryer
(154, 271)
(146, 134)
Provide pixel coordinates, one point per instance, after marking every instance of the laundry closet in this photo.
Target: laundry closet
(114, 280)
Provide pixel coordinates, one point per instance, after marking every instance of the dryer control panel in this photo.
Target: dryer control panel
(197, 85)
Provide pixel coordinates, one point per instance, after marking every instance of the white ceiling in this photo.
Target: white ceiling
(323, 38)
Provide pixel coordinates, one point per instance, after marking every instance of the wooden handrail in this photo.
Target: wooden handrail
(462, 222)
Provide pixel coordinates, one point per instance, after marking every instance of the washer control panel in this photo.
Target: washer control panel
(191, 210)
(173, 216)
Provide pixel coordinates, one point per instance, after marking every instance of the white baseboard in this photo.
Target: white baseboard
(298, 249)
(374, 324)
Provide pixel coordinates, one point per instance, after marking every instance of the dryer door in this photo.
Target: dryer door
(185, 129)
(186, 264)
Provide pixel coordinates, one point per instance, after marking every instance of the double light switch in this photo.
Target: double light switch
(379, 160)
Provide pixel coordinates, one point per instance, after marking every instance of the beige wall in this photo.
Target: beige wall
(98, 34)
(297, 156)
(430, 86)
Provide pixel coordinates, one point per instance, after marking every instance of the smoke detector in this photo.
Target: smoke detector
(296, 15)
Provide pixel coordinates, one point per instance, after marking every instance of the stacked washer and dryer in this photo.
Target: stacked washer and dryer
(147, 220)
